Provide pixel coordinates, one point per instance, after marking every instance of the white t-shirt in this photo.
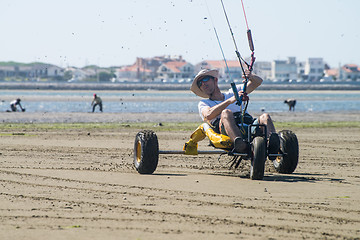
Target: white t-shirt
(210, 103)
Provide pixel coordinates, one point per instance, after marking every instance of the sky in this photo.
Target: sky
(114, 32)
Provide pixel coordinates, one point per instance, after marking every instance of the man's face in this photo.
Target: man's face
(207, 85)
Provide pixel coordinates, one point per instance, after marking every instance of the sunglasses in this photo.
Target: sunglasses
(205, 79)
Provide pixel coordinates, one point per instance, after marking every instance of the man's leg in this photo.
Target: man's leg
(232, 130)
(274, 140)
(266, 120)
(94, 107)
(228, 122)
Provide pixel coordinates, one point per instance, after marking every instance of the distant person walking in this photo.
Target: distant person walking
(96, 101)
(13, 105)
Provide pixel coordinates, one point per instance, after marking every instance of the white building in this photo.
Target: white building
(284, 70)
(77, 74)
(350, 72)
(263, 70)
(314, 69)
(175, 71)
(46, 70)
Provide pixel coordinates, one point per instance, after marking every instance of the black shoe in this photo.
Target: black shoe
(239, 145)
(274, 145)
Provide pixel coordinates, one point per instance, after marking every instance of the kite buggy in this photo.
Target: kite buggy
(146, 150)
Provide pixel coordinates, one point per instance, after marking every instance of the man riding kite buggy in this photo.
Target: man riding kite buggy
(222, 113)
(228, 125)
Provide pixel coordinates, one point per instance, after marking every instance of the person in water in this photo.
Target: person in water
(14, 104)
(221, 112)
(96, 101)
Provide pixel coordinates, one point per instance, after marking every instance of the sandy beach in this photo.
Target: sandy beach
(79, 183)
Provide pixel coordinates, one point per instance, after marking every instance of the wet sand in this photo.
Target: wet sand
(81, 184)
(49, 117)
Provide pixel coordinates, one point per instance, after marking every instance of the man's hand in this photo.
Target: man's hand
(253, 83)
(247, 74)
(241, 93)
(245, 96)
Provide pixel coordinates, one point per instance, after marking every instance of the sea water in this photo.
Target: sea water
(175, 101)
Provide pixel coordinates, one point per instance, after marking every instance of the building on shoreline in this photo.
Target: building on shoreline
(176, 69)
(284, 70)
(351, 72)
(32, 72)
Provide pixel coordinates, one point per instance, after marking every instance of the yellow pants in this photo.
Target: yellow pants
(218, 140)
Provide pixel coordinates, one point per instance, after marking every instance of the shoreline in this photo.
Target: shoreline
(88, 117)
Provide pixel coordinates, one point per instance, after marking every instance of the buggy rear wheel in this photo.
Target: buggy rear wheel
(258, 148)
(289, 147)
(146, 152)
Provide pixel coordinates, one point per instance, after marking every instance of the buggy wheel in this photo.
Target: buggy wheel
(258, 149)
(146, 152)
(289, 147)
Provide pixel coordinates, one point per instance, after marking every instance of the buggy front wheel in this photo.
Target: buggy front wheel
(258, 148)
(146, 152)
